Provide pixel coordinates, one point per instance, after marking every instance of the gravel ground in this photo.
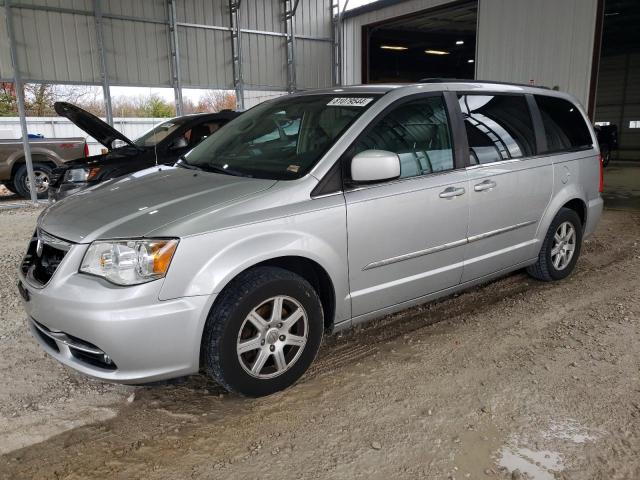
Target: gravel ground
(515, 379)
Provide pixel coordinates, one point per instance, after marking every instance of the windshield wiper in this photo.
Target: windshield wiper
(225, 171)
(182, 162)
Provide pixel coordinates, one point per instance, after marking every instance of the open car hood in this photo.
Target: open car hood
(101, 131)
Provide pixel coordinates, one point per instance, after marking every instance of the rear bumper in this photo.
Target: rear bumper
(594, 212)
(80, 319)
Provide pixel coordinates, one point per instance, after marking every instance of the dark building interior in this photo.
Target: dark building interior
(437, 43)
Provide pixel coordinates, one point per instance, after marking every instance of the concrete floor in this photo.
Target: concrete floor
(622, 186)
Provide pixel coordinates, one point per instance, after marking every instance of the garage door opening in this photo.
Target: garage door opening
(439, 42)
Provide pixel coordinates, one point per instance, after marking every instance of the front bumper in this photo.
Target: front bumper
(145, 339)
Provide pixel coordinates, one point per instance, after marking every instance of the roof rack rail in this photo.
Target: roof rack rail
(467, 80)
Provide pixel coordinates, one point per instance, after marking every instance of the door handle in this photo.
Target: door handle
(486, 185)
(451, 192)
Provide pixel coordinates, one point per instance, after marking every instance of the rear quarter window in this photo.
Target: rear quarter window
(564, 126)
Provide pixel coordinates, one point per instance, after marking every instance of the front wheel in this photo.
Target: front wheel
(560, 248)
(263, 332)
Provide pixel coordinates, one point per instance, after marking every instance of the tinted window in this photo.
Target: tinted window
(564, 126)
(418, 131)
(499, 127)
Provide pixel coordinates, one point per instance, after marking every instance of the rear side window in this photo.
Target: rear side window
(418, 131)
(564, 126)
(499, 127)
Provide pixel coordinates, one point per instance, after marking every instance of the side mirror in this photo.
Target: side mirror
(375, 166)
(179, 143)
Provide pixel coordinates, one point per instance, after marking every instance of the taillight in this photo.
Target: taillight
(601, 187)
(86, 149)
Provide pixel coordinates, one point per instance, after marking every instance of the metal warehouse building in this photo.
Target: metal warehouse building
(264, 48)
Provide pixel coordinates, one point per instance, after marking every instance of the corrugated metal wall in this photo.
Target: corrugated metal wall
(619, 100)
(548, 41)
(57, 43)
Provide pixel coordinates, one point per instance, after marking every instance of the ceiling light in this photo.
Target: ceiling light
(436, 52)
(393, 47)
(460, 42)
(471, 60)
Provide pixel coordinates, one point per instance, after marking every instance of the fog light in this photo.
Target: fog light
(107, 359)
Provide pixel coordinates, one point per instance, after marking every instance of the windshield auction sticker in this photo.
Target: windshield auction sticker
(349, 102)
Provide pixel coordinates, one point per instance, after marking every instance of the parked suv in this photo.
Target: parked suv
(161, 145)
(309, 214)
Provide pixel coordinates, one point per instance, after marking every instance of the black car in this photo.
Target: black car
(162, 145)
(608, 141)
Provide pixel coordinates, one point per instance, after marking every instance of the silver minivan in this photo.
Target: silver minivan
(309, 214)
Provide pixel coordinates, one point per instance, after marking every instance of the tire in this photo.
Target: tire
(255, 292)
(42, 172)
(549, 266)
(606, 157)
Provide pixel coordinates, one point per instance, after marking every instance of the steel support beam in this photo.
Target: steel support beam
(335, 44)
(340, 34)
(175, 57)
(236, 52)
(19, 86)
(289, 26)
(104, 72)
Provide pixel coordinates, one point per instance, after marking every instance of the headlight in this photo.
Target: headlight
(78, 175)
(129, 262)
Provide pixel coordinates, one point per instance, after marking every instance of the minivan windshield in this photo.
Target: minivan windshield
(281, 139)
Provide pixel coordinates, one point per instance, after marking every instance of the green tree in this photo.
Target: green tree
(155, 106)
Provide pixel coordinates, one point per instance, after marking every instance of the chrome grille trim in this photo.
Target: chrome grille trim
(52, 241)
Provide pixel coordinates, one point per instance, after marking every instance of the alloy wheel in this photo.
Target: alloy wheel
(272, 337)
(564, 245)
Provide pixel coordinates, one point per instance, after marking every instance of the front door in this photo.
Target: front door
(406, 237)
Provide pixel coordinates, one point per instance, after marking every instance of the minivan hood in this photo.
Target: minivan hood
(101, 131)
(133, 206)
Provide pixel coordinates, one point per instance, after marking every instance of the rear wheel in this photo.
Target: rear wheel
(560, 248)
(42, 174)
(263, 332)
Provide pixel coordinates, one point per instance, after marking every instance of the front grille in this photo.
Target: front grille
(44, 255)
(57, 176)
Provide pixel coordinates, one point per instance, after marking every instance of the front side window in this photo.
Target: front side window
(564, 126)
(418, 131)
(282, 139)
(499, 127)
